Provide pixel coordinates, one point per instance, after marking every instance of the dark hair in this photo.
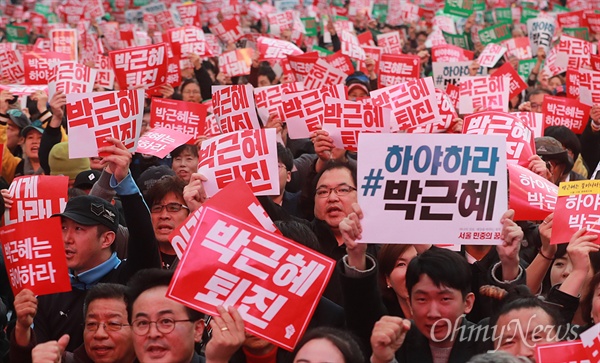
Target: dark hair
(331, 165)
(104, 291)
(267, 71)
(299, 232)
(150, 278)
(588, 298)
(345, 342)
(386, 259)
(165, 185)
(561, 251)
(443, 267)
(284, 156)
(537, 91)
(566, 137)
(193, 149)
(187, 82)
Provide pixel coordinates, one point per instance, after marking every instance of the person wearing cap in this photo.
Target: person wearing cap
(359, 85)
(86, 179)
(558, 161)
(89, 226)
(29, 163)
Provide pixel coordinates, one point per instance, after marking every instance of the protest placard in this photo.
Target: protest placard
(189, 14)
(303, 111)
(275, 283)
(236, 62)
(412, 103)
(64, 41)
(390, 42)
(269, 99)
(573, 53)
(447, 116)
(490, 55)
(533, 120)
(92, 117)
(436, 188)
(37, 65)
(520, 145)
(483, 93)
(589, 86)
(351, 46)
(590, 341)
(541, 31)
(302, 64)
(563, 352)
(34, 255)
(375, 54)
(11, 66)
(532, 197)
(188, 40)
(572, 19)
(71, 77)
(250, 155)
(234, 107)
(395, 69)
(272, 49)
(459, 40)
(516, 85)
(577, 207)
(495, 34)
(450, 53)
(341, 62)
(561, 111)
(36, 197)
(345, 120)
(446, 73)
(144, 66)
(518, 47)
(323, 74)
(186, 117)
(105, 77)
(161, 141)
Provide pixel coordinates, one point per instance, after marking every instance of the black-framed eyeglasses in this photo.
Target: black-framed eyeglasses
(340, 190)
(164, 325)
(171, 207)
(93, 326)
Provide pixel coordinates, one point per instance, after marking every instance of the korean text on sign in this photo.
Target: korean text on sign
(532, 197)
(269, 99)
(161, 141)
(186, 117)
(36, 197)
(274, 283)
(578, 207)
(250, 155)
(71, 77)
(436, 188)
(487, 93)
(234, 108)
(144, 66)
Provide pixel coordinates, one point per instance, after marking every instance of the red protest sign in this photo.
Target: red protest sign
(272, 49)
(36, 197)
(276, 291)
(453, 92)
(516, 84)
(518, 47)
(341, 62)
(351, 46)
(234, 108)
(395, 69)
(323, 74)
(161, 141)
(373, 53)
(561, 352)
(593, 22)
(572, 19)
(64, 41)
(412, 103)
(11, 66)
(450, 53)
(236, 62)
(531, 196)
(187, 40)
(490, 55)
(301, 64)
(92, 117)
(71, 77)
(577, 207)
(250, 155)
(144, 66)
(34, 255)
(595, 61)
(561, 111)
(366, 39)
(229, 31)
(344, 120)
(390, 42)
(269, 99)
(188, 118)
(447, 116)
(520, 145)
(38, 65)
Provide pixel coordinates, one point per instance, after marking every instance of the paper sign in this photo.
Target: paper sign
(572, 19)
(390, 42)
(236, 62)
(533, 120)
(483, 93)
(541, 31)
(395, 69)
(446, 73)
(495, 34)
(302, 64)
(561, 111)
(341, 62)
(457, 187)
(578, 206)
(287, 276)
(351, 46)
(105, 76)
(36, 197)
(345, 120)
(518, 47)
(71, 77)
(561, 352)
(140, 67)
(589, 91)
(450, 53)
(64, 41)
(590, 341)
(490, 55)
(373, 53)
(188, 40)
(38, 65)
(269, 99)
(273, 49)
(92, 117)
(531, 196)
(323, 74)
(234, 107)
(229, 31)
(161, 141)
(412, 103)
(34, 255)
(11, 66)
(189, 14)
(250, 155)
(516, 85)
(188, 118)
(576, 53)
(447, 116)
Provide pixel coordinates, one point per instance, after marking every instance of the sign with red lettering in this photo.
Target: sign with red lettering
(577, 207)
(341, 62)
(390, 42)
(590, 340)
(490, 55)
(64, 41)
(483, 93)
(188, 118)
(71, 77)
(395, 69)
(250, 155)
(351, 46)
(344, 120)
(303, 111)
(269, 99)
(573, 83)
(520, 145)
(323, 74)
(573, 52)
(161, 141)
(276, 290)
(236, 62)
(34, 254)
(561, 352)
(412, 103)
(105, 77)
(533, 120)
(561, 111)
(272, 49)
(229, 31)
(531, 196)
(36, 197)
(302, 64)
(450, 53)
(589, 86)
(279, 22)
(447, 116)
(144, 66)
(189, 14)
(516, 85)
(234, 107)
(375, 54)
(188, 40)
(593, 22)
(92, 117)
(518, 47)
(11, 66)
(38, 65)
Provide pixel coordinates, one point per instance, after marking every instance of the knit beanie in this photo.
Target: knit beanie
(60, 164)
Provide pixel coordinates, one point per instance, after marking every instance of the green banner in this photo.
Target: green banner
(495, 34)
(479, 5)
(322, 51)
(460, 40)
(42, 9)
(380, 12)
(525, 67)
(17, 34)
(310, 25)
(503, 14)
(581, 33)
(559, 9)
(527, 14)
(141, 2)
(462, 8)
(488, 16)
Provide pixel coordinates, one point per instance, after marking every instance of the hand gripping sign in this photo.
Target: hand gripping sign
(36, 197)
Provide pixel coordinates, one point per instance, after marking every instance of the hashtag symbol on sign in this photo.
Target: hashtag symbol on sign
(372, 182)
(440, 79)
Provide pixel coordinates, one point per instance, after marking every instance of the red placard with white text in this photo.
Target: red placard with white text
(323, 74)
(373, 53)
(302, 64)
(187, 40)
(38, 65)
(345, 120)
(447, 116)
(36, 197)
(572, 19)
(234, 107)
(250, 155)
(11, 66)
(269, 99)
(562, 111)
(366, 39)
(561, 352)
(34, 255)
(531, 196)
(484, 93)
(390, 42)
(271, 49)
(276, 290)
(516, 84)
(64, 41)
(520, 145)
(395, 69)
(229, 31)
(412, 103)
(161, 141)
(92, 117)
(590, 341)
(518, 47)
(236, 62)
(341, 62)
(71, 77)
(578, 206)
(450, 53)
(144, 66)
(186, 117)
